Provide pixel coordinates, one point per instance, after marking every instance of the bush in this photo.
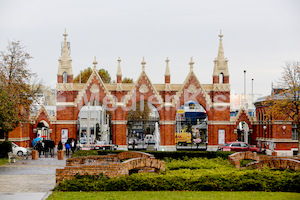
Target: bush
(197, 174)
(5, 147)
(161, 155)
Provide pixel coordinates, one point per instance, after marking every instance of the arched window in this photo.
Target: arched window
(221, 78)
(65, 77)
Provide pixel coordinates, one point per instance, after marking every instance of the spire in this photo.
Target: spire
(221, 62)
(119, 72)
(167, 72)
(143, 64)
(65, 62)
(221, 51)
(191, 64)
(65, 49)
(95, 63)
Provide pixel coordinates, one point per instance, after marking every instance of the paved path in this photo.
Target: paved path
(28, 179)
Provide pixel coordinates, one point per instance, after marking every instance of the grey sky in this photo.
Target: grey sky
(259, 36)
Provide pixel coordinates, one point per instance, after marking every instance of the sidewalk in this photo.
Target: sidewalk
(29, 179)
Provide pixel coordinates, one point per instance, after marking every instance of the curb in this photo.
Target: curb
(47, 195)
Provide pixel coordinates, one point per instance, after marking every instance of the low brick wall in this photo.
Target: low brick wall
(109, 165)
(263, 160)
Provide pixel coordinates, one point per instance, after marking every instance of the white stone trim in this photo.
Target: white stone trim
(67, 104)
(220, 122)
(123, 147)
(66, 122)
(282, 122)
(118, 121)
(284, 153)
(212, 147)
(120, 104)
(167, 122)
(221, 105)
(167, 148)
(17, 139)
(276, 140)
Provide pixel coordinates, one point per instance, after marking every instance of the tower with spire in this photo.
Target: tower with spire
(221, 74)
(65, 72)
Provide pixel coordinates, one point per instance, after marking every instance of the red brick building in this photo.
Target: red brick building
(167, 98)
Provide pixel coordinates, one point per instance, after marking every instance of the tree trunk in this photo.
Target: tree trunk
(6, 136)
(298, 143)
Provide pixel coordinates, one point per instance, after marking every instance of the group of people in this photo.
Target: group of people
(47, 146)
(68, 145)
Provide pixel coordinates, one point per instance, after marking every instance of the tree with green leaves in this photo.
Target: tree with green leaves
(127, 80)
(16, 91)
(85, 75)
(285, 104)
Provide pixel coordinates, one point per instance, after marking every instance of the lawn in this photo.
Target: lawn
(3, 161)
(174, 195)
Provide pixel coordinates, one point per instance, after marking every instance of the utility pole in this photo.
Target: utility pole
(245, 89)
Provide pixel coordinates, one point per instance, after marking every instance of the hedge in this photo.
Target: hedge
(161, 155)
(5, 147)
(250, 181)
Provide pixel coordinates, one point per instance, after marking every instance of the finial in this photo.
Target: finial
(167, 72)
(65, 34)
(95, 63)
(220, 34)
(143, 63)
(119, 72)
(191, 63)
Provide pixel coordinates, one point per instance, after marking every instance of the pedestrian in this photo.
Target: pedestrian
(59, 146)
(73, 145)
(51, 147)
(39, 147)
(67, 146)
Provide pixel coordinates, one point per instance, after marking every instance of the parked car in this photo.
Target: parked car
(238, 147)
(17, 150)
(103, 145)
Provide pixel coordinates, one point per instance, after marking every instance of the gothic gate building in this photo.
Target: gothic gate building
(166, 97)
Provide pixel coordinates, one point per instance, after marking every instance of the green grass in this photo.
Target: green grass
(174, 195)
(3, 161)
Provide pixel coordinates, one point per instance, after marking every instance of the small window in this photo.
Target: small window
(294, 132)
(221, 78)
(244, 145)
(236, 145)
(65, 77)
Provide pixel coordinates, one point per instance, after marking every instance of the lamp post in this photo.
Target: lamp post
(245, 89)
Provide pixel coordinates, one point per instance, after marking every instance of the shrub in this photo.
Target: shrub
(203, 175)
(190, 154)
(5, 147)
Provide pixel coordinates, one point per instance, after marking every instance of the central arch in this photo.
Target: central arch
(143, 126)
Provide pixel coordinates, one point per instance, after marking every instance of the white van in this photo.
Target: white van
(149, 138)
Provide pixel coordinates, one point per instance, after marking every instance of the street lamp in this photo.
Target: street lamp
(283, 128)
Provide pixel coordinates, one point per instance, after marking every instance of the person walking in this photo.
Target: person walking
(67, 146)
(39, 147)
(73, 146)
(60, 146)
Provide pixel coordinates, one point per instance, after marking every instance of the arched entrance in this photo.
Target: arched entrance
(43, 130)
(143, 126)
(243, 132)
(191, 126)
(94, 124)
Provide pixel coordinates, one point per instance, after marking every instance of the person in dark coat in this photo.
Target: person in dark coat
(67, 146)
(39, 147)
(51, 147)
(46, 147)
(73, 145)
(60, 146)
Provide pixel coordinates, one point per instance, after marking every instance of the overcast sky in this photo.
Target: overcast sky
(259, 36)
